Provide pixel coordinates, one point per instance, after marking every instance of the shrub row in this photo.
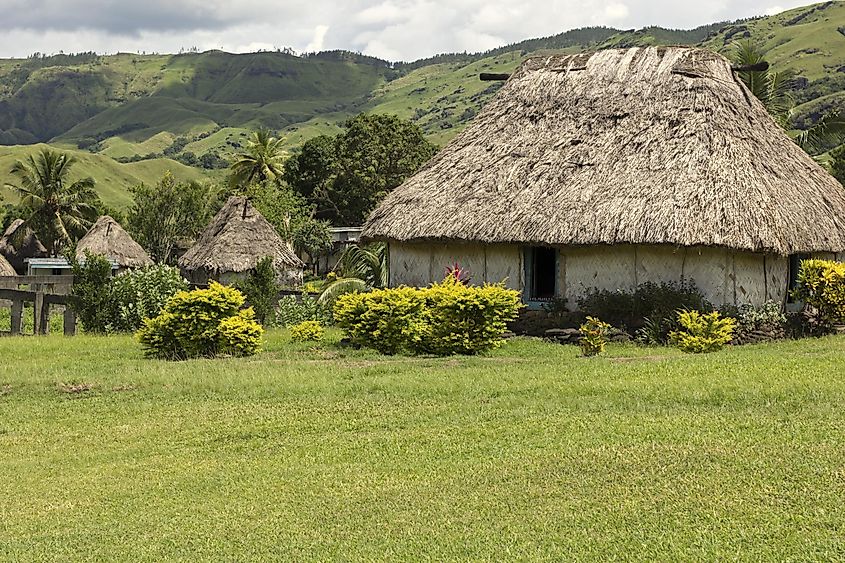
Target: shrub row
(443, 319)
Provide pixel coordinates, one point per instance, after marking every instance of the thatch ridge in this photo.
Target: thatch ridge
(107, 238)
(16, 247)
(654, 145)
(236, 239)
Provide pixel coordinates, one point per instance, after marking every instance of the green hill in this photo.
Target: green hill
(143, 109)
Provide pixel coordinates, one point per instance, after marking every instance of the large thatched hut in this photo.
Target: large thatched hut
(232, 245)
(18, 244)
(610, 169)
(107, 238)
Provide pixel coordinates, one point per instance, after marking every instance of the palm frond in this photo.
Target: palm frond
(339, 287)
(828, 131)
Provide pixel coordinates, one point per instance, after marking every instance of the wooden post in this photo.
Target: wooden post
(17, 316)
(70, 322)
(45, 317)
(37, 314)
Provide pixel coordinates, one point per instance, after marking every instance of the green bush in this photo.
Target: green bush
(767, 317)
(202, 323)
(140, 294)
(465, 319)
(702, 332)
(445, 318)
(292, 310)
(307, 331)
(90, 296)
(388, 320)
(651, 305)
(262, 291)
(593, 336)
(821, 284)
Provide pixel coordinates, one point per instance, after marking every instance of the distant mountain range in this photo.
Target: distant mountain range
(133, 116)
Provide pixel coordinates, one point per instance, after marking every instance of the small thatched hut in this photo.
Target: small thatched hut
(237, 238)
(19, 243)
(610, 169)
(107, 238)
(6, 268)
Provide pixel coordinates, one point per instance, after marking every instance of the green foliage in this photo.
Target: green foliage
(58, 210)
(361, 268)
(163, 215)
(91, 293)
(821, 284)
(768, 316)
(773, 89)
(307, 331)
(293, 310)
(593, 336)
(202, 323)
(262, 290)
(139, 294)
(391, 321)
(702, 332)
(347, 176)
(465, 319)
(652, 302)
(837, 164)
(443, 319)
(261, 162)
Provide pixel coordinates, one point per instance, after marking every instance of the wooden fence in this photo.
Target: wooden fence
(43, 292)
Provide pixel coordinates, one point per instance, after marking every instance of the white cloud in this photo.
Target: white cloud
(391, 29)
(616, 11)
(774, 10)
(318, 39)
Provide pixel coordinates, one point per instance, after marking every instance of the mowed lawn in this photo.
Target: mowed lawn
(322, 453)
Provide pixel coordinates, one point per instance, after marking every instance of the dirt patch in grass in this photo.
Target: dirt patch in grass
(5, 390)
(74, 387)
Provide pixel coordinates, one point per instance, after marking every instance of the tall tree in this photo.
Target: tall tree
(168, 213)
(348, 175)
(773, 89)
(262, 161)
(57, 210)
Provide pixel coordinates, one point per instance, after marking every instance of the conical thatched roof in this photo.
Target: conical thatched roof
(655, 145)
(16, 246)
(237, 238)
(6, 268)
(107, 238)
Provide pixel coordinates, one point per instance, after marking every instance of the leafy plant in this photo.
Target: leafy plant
(702, 332)
(458, 273)
(361, 269)
(821, 284)
(466, 319)
(593, 336)
(768, 316)
(202, 323)
(91, 297)
(139, 294)
(292, 309)
(262, 290)
(655, 302)
(773, 89)
(262, 161)
(307, 331)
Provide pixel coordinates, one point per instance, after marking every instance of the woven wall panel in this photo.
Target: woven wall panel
(659, 263)
(599, 267)
(409, 264)
(504, 263)
(777, 270)
(708, 268)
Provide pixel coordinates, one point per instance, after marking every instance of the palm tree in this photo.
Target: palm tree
(59, 211)
(828, 132)
(361, 269)
(773, 89)
(261, 162)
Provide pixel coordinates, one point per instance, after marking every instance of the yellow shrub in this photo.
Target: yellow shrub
(307, 331)
(821, 283)
(203, 322)
(702, 332)
(593, 336)
(388, 320)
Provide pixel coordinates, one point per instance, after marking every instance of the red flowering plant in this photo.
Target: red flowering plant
(461, 275)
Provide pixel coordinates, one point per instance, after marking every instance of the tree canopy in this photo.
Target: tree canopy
(346, 176)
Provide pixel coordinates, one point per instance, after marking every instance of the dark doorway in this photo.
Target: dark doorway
(794, 265)
(543, 272)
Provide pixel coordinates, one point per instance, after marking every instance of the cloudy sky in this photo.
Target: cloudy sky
(390, 29)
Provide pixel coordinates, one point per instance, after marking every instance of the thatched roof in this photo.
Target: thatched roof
(107, 238)
(6, 268)
(237, 238)
(16, 245)
(655, 145)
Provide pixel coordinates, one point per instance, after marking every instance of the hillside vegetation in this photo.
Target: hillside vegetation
(151, 108)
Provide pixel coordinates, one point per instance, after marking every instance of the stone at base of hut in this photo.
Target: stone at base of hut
(838, 329)
(762, 334)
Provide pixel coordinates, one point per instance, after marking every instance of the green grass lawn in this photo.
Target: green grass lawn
(319, 453)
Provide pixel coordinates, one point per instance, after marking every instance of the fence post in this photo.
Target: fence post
(69, 321)
(17, 316)
(37, 314)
